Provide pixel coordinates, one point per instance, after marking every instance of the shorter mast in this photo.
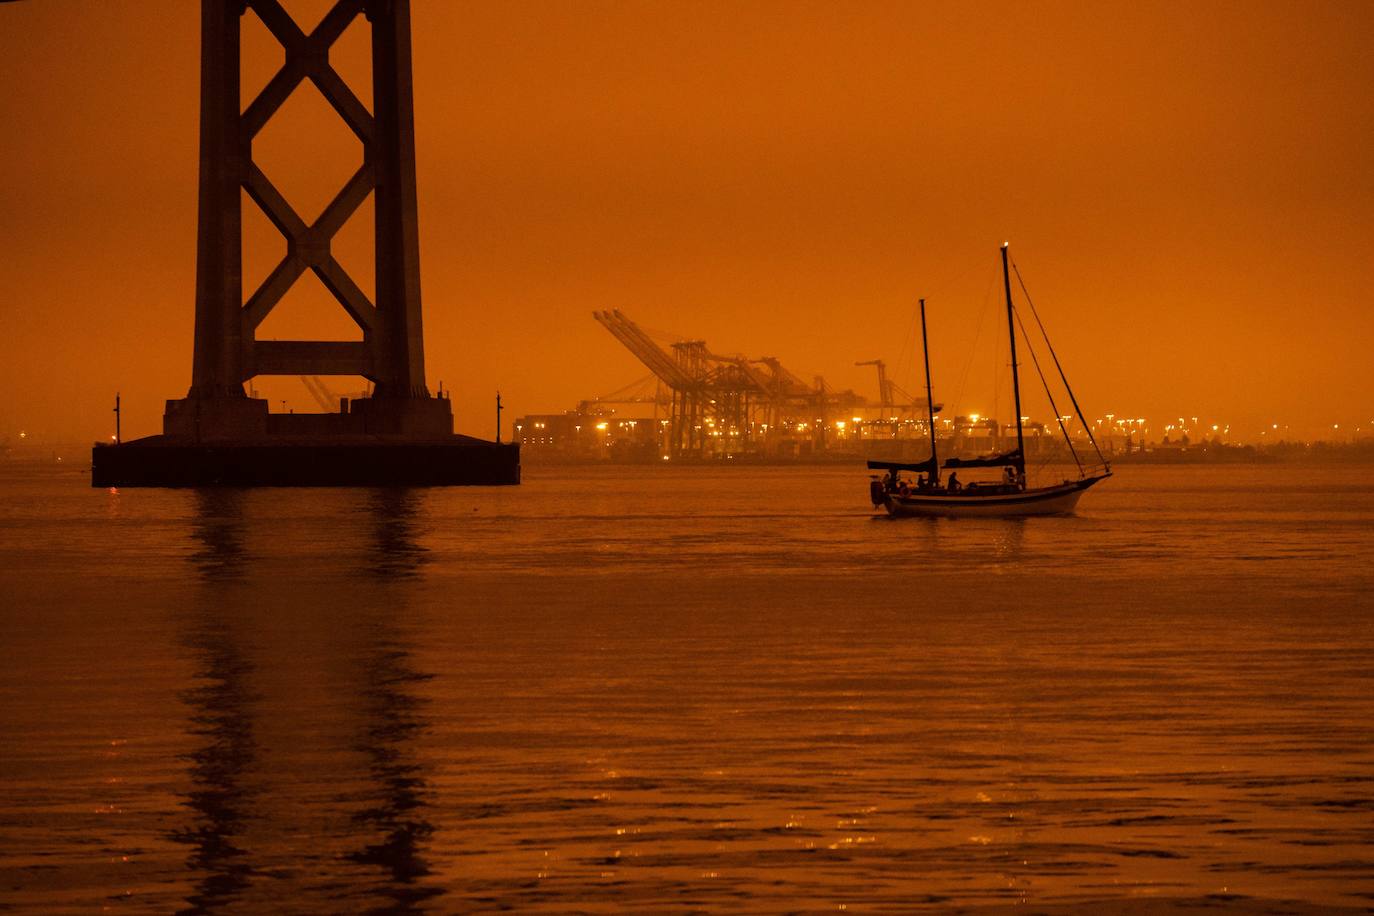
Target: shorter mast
(930, 401)
(1015, 380)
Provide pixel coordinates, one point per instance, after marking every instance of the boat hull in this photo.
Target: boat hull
(1056, 500)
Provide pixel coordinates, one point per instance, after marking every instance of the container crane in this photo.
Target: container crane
(721, 404)
(884, 385)
(889, 391)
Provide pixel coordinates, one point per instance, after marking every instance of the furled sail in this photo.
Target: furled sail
(1012, 457)
(919, 467)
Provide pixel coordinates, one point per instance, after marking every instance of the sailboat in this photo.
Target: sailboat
(1009, 496)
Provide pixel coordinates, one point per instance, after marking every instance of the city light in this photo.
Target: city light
(601, 435)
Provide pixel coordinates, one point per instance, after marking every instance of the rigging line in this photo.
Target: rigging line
(958, 402)
(908, 341)
(1067, 387)
(1035, 360)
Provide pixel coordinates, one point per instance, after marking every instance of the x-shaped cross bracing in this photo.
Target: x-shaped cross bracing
(308, 246)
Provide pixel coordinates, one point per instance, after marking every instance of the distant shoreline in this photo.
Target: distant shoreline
(1169, 461)
(69, 454)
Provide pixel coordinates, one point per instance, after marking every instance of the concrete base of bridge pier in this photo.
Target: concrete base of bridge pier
(324, 461)
(370, 442)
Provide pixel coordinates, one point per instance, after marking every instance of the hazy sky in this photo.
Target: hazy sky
(1186, 186)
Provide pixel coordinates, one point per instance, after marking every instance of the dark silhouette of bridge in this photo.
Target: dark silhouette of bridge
(400, 433)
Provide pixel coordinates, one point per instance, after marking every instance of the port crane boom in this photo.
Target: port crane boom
(725, 404)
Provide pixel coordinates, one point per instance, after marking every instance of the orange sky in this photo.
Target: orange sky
(1186, 187)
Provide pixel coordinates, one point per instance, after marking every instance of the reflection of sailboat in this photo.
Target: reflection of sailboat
(1007, 496)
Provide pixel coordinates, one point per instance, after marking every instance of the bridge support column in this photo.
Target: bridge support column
(216, 435)
(226, 351)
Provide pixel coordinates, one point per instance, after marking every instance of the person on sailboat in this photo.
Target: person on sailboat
(954, 485)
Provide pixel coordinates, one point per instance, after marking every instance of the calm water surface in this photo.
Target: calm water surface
(668, 689)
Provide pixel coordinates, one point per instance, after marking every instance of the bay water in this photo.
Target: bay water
(666, 689)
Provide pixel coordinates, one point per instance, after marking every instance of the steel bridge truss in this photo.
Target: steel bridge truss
(391, 351)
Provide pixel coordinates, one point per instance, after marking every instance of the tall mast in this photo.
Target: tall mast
(1015, 380)
(930, 401)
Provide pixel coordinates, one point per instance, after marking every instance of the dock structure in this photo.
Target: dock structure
(398, 435)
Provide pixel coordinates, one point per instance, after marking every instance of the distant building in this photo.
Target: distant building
(574, 436)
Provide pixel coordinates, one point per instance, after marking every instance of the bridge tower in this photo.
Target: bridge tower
(398, 436)
(226, 352)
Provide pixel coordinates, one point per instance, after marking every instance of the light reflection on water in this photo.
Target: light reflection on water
(655, 688)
